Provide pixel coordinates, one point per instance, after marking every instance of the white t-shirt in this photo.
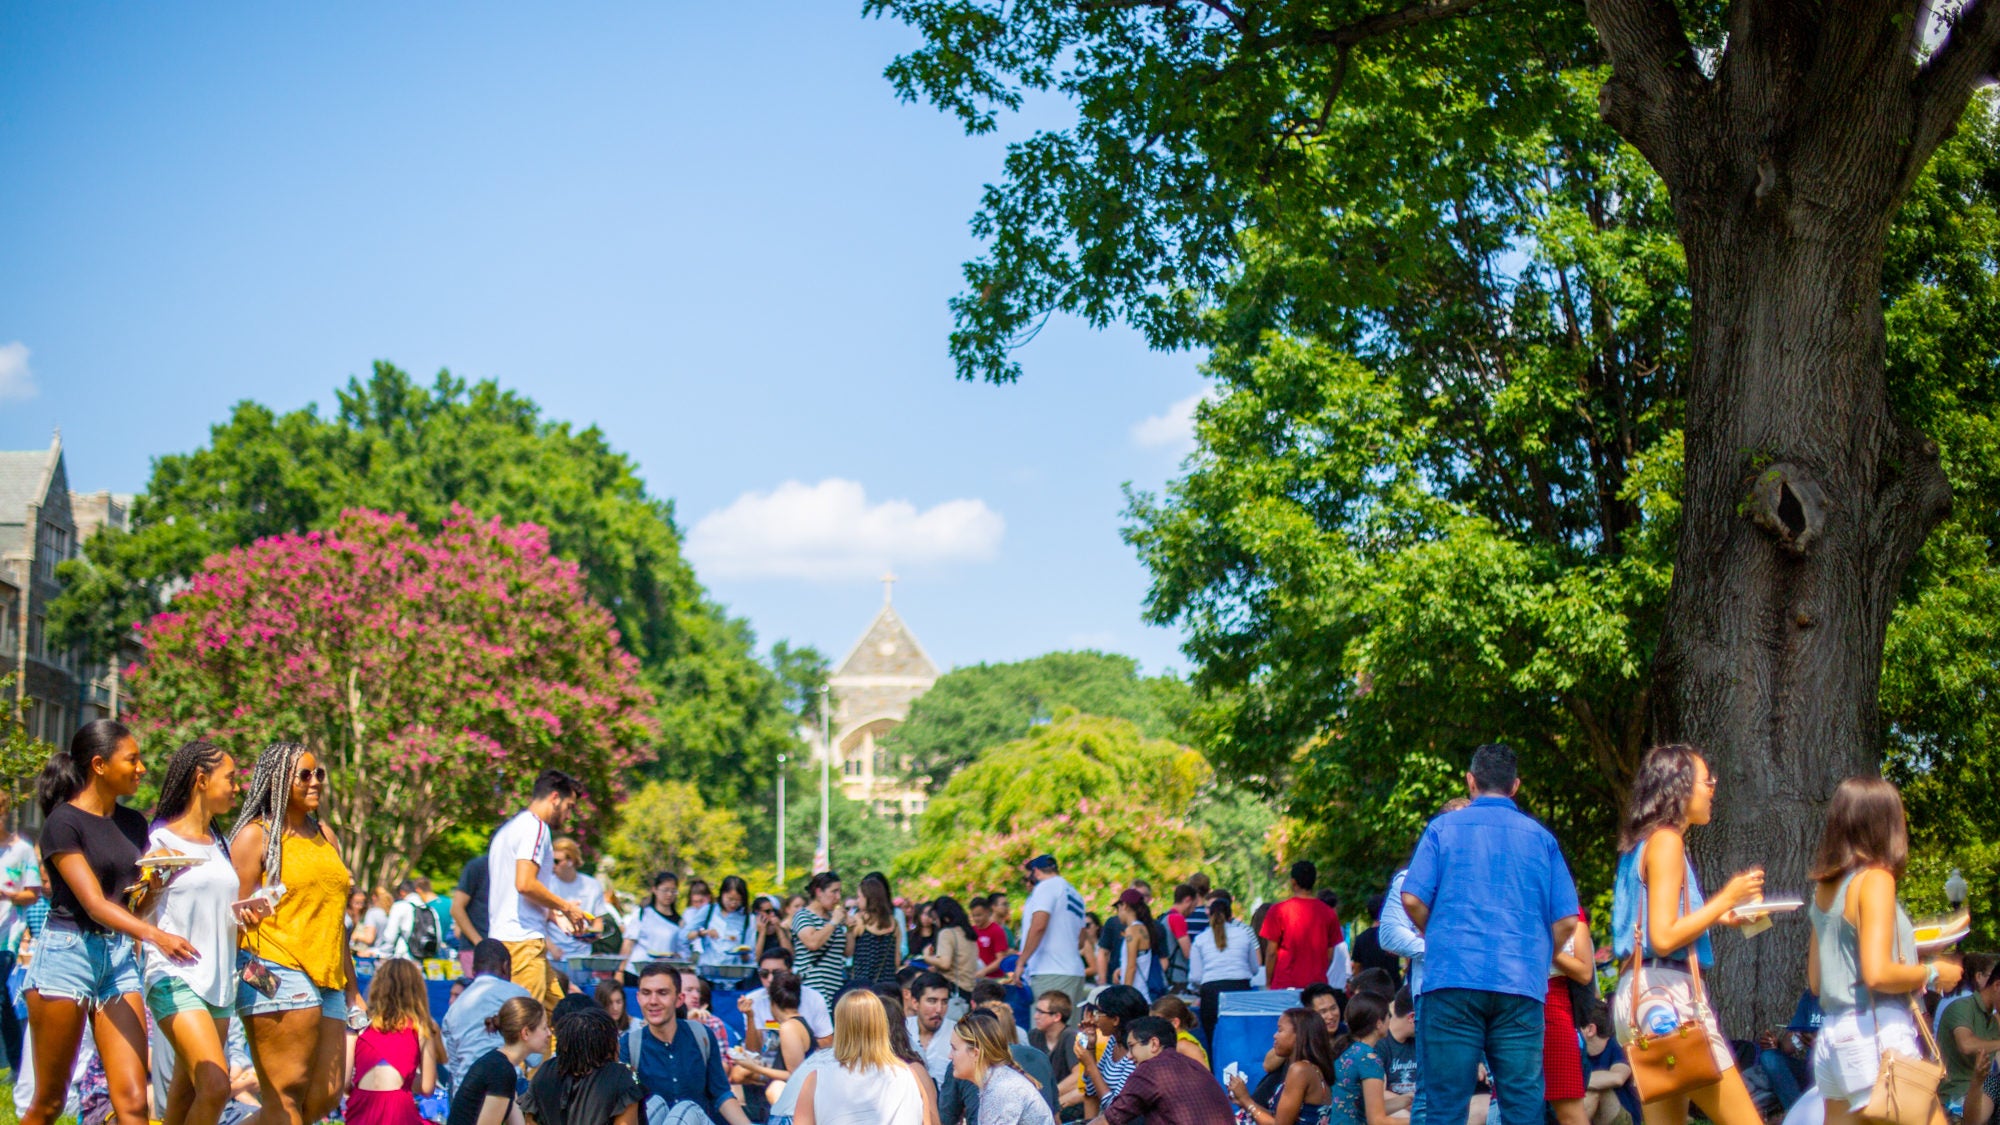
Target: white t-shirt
(509, 917)
(1057, 955)
(586, 892)
(401, 926)
(875, 1096)
(812, 1009)
(937, 1056)
(654, 938)
(196, 907)
(20, 868)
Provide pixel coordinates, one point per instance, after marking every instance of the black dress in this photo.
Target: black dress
(874, 957)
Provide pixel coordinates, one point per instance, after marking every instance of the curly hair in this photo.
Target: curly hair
(269, 795)
(1660, 793)
(588, 1042)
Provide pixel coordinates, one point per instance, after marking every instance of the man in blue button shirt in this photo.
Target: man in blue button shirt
(1490, 892)
(672, 1065)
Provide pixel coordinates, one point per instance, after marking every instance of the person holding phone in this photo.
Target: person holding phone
(297, 988)
(192, 1003)
(84, 969)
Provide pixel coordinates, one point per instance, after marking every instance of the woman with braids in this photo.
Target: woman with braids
(84, 969)
(1657, 904)
(192, 1003)
(297, 979)
(585, 1084)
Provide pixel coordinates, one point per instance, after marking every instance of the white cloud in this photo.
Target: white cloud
(1173, 429)
(16, 381)
(829, 531)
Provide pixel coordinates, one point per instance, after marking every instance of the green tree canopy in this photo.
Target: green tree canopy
(974, 708)
(1108, 802)
(1417, 530)
(392, 444)
(667, 826)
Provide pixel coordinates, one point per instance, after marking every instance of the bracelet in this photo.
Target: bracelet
(1930, 976)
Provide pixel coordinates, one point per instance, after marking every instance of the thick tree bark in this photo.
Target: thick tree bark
(1805, 499)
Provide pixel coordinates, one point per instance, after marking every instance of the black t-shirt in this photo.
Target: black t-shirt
(111, 845)
(1399, 1063)
(1367, 953)
(1111, 939)
(491, 1076)
(472, 880)
(593, 1099)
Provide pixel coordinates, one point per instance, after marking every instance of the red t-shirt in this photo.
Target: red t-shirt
(1176, 924)
(1302, 932)
(992, 943)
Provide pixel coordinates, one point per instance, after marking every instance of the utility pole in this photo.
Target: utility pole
(781, 821)
(825, 856)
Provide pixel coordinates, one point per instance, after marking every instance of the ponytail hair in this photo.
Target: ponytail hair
(516, 1018)
(1365, 1013)
(1221, 912)
(68, 771)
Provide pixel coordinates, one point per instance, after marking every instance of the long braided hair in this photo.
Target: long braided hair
(270, 792)
(177, 788)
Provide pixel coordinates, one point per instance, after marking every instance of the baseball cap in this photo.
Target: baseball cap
(1131, 897)
(1044, 861)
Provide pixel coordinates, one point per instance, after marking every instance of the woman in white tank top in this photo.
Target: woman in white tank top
(866, 1083)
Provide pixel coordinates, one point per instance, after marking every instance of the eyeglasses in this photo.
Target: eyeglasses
(766, 974)
(317, 773)
(1043, 1012)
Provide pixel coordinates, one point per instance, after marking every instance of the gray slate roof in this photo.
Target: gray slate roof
(24, 475)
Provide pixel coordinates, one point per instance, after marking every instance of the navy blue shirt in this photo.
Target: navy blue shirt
(1495, 881)
(673, 1072)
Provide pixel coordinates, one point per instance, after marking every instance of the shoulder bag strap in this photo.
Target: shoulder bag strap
(1923, 1028)
(1699, 993)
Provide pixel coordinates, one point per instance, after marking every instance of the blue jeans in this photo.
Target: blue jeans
(1459, 1027)
(89, 968)
(1419, 1101)
(1784, 1084)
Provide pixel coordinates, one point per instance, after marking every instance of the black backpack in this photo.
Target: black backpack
(424, 941)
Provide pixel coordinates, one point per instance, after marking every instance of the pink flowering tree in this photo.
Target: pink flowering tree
(433, 675)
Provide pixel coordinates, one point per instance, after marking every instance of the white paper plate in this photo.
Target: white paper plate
(1944, 941)
(171, 862)
(1768, 906)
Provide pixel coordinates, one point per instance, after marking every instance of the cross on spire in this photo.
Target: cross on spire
(888, 587)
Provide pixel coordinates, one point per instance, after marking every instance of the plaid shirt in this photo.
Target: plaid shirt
(1171, 1089)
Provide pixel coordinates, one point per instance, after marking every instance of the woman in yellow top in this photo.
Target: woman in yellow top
(296, 986)
(1174, 1010)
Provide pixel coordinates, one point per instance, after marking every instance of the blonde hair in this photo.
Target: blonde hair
(861, 1032)
(991, 1044)
(398, 999)
(567, 846)
(1005, 1014)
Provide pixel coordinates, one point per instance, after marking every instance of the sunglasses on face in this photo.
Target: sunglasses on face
(766, 974)
(307, 777)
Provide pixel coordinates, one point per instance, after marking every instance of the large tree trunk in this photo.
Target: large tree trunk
(1805, 499)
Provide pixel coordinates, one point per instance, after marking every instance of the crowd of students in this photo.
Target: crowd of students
(221, 968)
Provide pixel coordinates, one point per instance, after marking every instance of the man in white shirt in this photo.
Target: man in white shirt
(395, 938)
(465, 1035)
(930, 1032)
(1053, 920)
(812, 1006)
(572, 883)
(521, 909)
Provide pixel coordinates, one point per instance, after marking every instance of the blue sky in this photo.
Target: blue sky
(710, 229)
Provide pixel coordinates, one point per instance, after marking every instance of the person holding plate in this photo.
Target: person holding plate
(193, 1002)
(84, 970)
(1863, 962)
(1657, 898)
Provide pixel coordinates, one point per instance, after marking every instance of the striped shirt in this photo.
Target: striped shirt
(823, 970)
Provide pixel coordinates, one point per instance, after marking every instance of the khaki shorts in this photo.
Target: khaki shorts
(533, 972)
(1668, 996)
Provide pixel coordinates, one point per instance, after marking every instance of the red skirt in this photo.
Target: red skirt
(1562, 1058)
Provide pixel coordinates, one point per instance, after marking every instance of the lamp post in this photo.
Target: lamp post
(781, 821)
(825, 855)
(1954, 889)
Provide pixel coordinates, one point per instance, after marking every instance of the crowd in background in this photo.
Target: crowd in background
(172, 970)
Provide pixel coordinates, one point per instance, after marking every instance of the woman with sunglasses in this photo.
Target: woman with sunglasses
(1657, 899)
(770, 929)
(297, 990)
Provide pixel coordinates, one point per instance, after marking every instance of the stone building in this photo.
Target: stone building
(872, 691)
(42, 524)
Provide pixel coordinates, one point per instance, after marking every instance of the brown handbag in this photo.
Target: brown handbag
(1905, 1090)
(1681, 1060)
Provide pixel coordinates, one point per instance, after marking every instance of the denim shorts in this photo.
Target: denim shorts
(296, 990)
(170, 996)
(91, 969)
